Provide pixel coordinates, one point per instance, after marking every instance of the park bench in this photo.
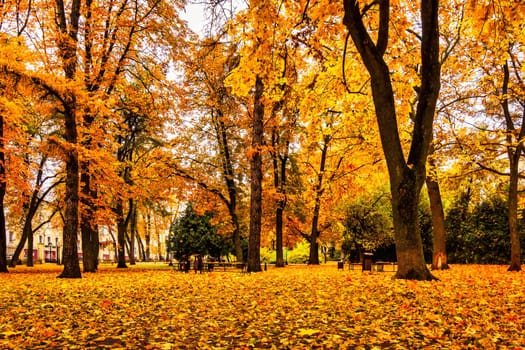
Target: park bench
(384, 266)
(379, 266)
(224, 266)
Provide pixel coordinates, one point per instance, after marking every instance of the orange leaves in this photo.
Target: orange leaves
(295, 307)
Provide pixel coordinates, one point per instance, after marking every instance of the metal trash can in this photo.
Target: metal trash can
(340, 265)
(367, 261)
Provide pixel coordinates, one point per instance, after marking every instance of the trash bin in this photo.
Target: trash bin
(367, 261)
(340, 265)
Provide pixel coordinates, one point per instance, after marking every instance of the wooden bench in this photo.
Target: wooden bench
(224, 266)
(384, 266)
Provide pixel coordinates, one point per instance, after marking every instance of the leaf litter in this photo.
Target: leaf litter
(476, 307)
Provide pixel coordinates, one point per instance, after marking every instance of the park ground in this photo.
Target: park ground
(152, 306)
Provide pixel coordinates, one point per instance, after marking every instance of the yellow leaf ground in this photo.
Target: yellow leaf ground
(474, 307)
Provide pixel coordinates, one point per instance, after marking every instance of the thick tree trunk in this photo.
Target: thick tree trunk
(406, 176)
(439, 256)
(67, 42)
(254, 244)
(409, 245)
(88, 225)
(70, 230)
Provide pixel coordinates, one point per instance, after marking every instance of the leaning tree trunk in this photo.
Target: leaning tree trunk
(254, 243)
(19, 248)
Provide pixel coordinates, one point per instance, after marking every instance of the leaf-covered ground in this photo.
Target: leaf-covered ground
(477, 307)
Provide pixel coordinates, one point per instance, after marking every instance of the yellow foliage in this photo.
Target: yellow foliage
(153, 307)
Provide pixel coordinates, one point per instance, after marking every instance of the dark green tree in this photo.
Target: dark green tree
(368, 226)
(479, 233)
(194, 234)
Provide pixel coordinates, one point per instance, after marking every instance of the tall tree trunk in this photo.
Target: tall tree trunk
(254, 244)
(512, 202)
(229, 179)
(67, 47)
(121, 235)
(279, 182)
(3, 232)
(147, 253)
(88, 225)
(406, 175)
(70, 230)
(514, 150)
(439, 256)
(314, 235)
(30, 245)
(133, 232)
(141, 249)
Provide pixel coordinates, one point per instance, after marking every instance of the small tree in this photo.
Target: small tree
(367, 227)
(194, 234)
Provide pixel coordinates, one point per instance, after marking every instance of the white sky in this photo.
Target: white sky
(194, 15)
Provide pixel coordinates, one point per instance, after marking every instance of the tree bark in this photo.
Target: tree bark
(88, 226)
(147, 252)
(439, 256)
(514, 150)
(279, 169)
(3, 232)
(314, 234)
(70, 230)
(406, 176)
(133, 232)
(121, 235)
(254, 244)
(229, 179)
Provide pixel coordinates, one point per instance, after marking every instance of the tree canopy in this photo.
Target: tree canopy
(283, 118)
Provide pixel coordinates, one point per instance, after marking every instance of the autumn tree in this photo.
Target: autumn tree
(407, 176)
(14, 17)
(216, 118)
(485, 111)
(503, 37)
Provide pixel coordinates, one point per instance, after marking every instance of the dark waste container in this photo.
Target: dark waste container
(367, 261)
(340, 265)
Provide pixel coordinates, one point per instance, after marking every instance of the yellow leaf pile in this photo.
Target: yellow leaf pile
(478, 307)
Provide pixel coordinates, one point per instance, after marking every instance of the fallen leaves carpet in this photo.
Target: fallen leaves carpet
(298, 307)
